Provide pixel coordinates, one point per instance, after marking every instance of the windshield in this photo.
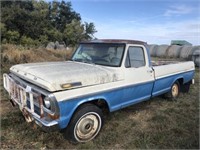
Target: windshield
(100, 54)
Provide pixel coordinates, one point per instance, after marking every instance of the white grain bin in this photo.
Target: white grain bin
(196, 57)
(152, 49)
(174, 51)
(197, 61)
(162, 50)
(185, 52)
(194, 49)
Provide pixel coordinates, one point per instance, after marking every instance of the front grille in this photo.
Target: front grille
(24, 97)
(36, 108)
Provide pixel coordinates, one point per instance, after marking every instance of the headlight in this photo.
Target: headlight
(50, 106)
(47, 102)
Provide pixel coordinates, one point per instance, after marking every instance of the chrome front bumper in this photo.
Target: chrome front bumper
(25, 98)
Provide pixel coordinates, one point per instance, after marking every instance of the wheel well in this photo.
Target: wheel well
(180, 81)
(101, 103)
(184, 86)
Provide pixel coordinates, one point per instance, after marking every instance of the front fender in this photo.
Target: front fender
(68, 108)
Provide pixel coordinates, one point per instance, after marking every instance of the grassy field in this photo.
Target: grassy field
(156, 124)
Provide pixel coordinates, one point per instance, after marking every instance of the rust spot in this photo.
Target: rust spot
(54, 117)
(34, 126)
(26, 115)
(18, 93)
(41, 106)
(116, 41)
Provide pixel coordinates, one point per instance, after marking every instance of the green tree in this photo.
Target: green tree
(43, 39)
(16, 15)
(66, 15)
(12, 37)
(89, 30)
(54, 35)
(26, 21)
(74, 32)
(3, 30)
(27, 41)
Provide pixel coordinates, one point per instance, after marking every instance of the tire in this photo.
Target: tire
(85, 124)
(174, 92)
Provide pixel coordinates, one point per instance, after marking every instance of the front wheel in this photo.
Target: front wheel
(85, 124)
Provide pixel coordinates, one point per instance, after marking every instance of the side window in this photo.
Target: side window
(135, 57)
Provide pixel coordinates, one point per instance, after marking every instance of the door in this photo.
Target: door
(139, 76)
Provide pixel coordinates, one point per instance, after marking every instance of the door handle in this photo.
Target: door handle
(149, 70)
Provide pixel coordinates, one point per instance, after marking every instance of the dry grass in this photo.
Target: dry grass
(156, 124)
(12, 54)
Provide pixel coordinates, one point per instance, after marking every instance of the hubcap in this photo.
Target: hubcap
(87, 127)
(175, 90)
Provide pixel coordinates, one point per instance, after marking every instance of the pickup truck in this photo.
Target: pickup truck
(101, 75)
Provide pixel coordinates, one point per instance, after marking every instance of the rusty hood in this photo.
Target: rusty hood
(57, 76)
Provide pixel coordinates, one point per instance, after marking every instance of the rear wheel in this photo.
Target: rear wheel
(85, 124)
(174, 91)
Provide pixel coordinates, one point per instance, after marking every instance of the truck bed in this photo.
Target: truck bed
(166, 62)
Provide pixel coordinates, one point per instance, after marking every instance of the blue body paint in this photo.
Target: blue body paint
(123, 96)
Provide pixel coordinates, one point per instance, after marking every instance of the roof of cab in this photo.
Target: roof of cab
(116, 41)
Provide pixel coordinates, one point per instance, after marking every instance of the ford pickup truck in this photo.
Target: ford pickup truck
(101, 74)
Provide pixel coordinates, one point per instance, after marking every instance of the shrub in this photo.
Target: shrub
(27, 41)
(12, 37)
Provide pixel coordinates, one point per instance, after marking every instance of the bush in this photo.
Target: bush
(43, 39)
(12, 37)
(27, 41)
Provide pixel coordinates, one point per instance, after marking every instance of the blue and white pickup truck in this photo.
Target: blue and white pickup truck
(101, 74)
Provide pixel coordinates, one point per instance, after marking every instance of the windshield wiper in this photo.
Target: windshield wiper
(83, 61)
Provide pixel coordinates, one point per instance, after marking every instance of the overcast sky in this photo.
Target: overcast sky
(153, 21)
